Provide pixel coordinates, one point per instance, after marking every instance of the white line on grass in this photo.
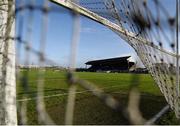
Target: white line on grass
(61, 94)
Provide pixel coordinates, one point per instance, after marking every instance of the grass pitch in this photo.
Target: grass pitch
(88, 108)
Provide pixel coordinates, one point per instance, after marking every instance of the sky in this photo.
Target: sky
(95, 42)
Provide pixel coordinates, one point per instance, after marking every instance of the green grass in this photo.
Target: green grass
(89, 109)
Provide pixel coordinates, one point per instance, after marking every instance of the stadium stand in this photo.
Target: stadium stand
(118, 64)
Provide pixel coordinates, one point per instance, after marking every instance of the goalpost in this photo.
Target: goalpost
(8, 113)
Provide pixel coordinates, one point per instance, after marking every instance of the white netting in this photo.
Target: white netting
(150, 27)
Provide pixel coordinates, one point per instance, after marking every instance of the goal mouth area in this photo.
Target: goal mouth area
(156, 54)
(142, 25)
(48, 92)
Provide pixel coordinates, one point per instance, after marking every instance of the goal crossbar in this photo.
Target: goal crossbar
(123, 32)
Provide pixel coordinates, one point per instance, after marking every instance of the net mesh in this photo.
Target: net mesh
(147, 26)
(151, 30)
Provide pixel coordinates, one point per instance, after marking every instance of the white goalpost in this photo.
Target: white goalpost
(8, 113)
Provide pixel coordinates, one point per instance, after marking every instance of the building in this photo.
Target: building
(119, 64)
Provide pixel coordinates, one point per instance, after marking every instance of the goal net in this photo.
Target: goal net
(150, 27)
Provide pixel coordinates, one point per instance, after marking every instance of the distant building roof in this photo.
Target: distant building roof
(108, 61)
